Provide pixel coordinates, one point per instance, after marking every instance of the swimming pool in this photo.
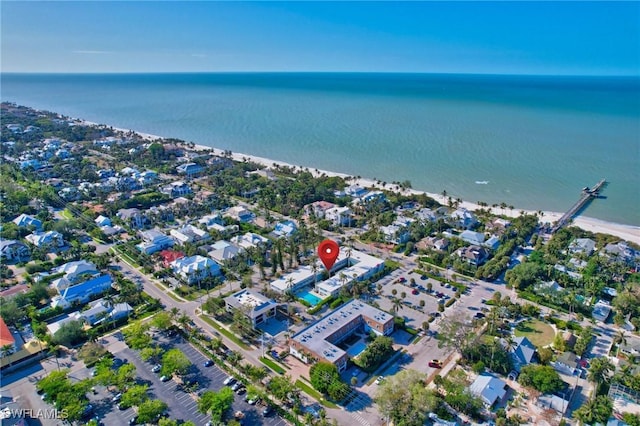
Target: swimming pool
(356, 348)
(308, 297)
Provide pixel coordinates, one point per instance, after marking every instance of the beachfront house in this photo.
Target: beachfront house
(463, 219)
(190, 170)
(318, 209)
(339, 216)
(582, 245)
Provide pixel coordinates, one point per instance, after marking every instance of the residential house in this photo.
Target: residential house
(582, 245)
(239, 213)
(474, 255)
(24, 220)
(189, 234)
(13, 250)
(13, 291)
(176, 189)
(83, 292)
(601, 310)
(49, 239)
(7, 341)
(355, 191)
(631, 347)
(426, 215)
(339, 216)
(148, 177)
(70, 193)
(249, 240)
(101, 310)
(102, 221)
(154, 241)
(169, 256)
(265, 173)
(522, 352)
(472, 237)
(621, 252)
(195, 268)
(463, 219)
(318, 208)
(223, 251)
(566, 363)
(129, 171)
(554, 402)
(73, 272)
(190, 170)
(285, 228)
(398, 231)
(489, 389)
(133, 217)
(252, 304)
(211, 219)
(492, 243)
(440, 244)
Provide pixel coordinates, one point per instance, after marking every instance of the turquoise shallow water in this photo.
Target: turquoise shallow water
(536, 140)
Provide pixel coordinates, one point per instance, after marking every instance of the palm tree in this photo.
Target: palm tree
(620, 339)
(396, 305)
(599, 372)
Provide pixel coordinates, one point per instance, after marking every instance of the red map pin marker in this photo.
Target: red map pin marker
(328, 251)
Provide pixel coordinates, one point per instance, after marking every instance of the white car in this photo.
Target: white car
(156, 368)
(229, 380)
(379, 380)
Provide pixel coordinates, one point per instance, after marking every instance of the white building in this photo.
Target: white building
(189, 234)
(195, 268)
(154, 241)
(254, 305)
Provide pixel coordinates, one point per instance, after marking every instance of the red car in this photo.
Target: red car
(434, 363)
(401, 280)
(414, 291)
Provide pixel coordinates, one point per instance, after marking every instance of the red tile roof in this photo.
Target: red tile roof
(6, 338)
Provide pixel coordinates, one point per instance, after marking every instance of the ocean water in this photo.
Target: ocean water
(536, 140)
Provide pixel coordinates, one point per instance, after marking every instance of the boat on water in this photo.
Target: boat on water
(482, 182)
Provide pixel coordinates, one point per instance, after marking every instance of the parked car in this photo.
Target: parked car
(165, 378)
(241, 391)
(117, 397)
(268, 410)
(379, 380)
(401, 280)
(156, 368)
(253, 400)
(229, 381)
(434, 363)
(208, 363)
(236, 386)
(415, 292)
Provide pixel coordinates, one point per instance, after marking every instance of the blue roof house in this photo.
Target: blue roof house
(83, 292)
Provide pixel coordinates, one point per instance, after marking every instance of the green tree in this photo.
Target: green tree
(152, 353)
(216, 403)
(596, 410)
(134, 396)
(174, 362)
(162, 321)
(151, 410)
(322, 374)
(70, 334)
(540, 377)
(282, 386)
(403, 398)
(456, 333)
(599, 372)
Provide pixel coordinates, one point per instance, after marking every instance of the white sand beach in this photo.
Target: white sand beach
(625, 232)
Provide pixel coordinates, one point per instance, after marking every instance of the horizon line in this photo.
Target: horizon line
(314, 72)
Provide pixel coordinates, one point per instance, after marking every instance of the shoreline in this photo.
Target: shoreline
(626, 232)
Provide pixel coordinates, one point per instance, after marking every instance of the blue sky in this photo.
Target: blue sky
(589, 38)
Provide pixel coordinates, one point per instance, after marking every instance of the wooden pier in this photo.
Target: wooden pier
(588, 194)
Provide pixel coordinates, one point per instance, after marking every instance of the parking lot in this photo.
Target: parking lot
(183, 404)
(414, 314)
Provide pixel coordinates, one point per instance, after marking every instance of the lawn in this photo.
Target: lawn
(538, 332)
